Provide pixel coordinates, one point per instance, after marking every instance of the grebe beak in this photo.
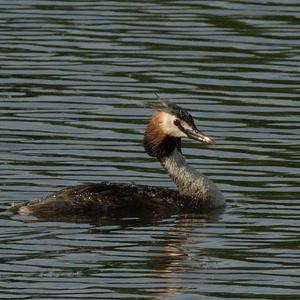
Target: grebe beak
(197, 135)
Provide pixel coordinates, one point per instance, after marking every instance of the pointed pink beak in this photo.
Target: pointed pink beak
(197, 135)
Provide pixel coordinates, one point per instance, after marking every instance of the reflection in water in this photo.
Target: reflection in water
(74, 77)
(174, 255)
(153, 253)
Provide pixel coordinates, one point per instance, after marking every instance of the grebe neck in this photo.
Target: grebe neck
(190, 182)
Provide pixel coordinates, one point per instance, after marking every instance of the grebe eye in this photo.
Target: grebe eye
(176, 122)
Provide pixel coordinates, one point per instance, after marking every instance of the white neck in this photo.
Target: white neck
(190, 182)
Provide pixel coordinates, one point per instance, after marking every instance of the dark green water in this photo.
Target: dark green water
(73, 79)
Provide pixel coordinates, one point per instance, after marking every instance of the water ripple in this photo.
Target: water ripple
(74, 78)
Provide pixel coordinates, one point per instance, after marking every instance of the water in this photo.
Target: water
(73, 79)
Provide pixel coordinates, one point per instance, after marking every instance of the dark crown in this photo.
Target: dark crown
(173, 109)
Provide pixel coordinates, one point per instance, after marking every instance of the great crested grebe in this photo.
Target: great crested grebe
(162, 139)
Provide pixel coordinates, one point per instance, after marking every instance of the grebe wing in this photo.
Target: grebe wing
(102, 199)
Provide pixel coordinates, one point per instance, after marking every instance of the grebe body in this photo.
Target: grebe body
(162, 139)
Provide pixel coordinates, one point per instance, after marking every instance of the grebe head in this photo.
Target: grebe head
(167, 126)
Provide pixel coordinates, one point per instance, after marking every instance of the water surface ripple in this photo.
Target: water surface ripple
(74, 77)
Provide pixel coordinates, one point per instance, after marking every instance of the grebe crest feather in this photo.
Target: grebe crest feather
(169, 123)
